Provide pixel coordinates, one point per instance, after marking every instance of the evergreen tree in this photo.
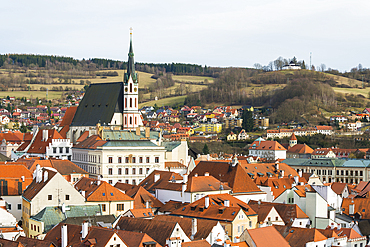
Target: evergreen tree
(205, 149)
(248, 121)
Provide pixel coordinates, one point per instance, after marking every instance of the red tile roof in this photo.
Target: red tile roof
(68, 116)
(17, 178)
(100, 191)
(39, 145)
(267, 236)
(205, 183)
(92, 142)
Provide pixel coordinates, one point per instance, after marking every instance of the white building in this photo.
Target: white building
(271, 150)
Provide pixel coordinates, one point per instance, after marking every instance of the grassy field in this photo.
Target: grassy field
(345, 80)
(145, 79)
(32, 94)
(166, 101)
(189, 78)
(355, 91)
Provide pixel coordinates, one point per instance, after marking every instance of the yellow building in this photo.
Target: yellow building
(210, 128)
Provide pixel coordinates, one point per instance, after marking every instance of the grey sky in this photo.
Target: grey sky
(215, 33)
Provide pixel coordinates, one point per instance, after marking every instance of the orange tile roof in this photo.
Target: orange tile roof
(260, 239)
(217, 209)
(92, 142)
(205, 183)
(278, 185)
(300, 149)
(264, 168)
(68, 116)
(292, 137)
(350, 233)
(234, 176)
(361, 206)
(165, 176)
(12, 174)
(64, 167)
(267, 145)
(39, 145)
(142, 212)
(83, 136)
(100, 191)
(196, 243)
(298, 237)
(140, 195)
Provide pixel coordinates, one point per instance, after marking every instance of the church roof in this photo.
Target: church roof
(99, 104)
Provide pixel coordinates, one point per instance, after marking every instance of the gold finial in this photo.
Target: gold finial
(130, 30)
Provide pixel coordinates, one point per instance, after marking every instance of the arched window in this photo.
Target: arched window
(130, 102)
(125, 102)
(130, 87)
(130, 120)
(135, 102)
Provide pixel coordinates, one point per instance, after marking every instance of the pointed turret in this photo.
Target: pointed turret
(292, 140)
(130, 63)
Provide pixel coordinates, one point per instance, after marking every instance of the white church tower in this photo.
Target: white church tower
(131, 116)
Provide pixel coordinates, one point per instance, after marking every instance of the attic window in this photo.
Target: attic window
(103, 194)
(86, 105)
(233, 213)
(201, 209)
(111, 194)
(150, 213)
(363, 210)
(193, 207)
(183, 208)
(144, 214)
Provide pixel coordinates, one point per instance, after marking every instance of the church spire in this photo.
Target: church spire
(131, 63)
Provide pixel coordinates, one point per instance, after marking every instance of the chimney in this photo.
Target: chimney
(45, 176)
(23, 178)
(147, 132)
(227, 203)
(281, 173)
(227, 243)
(156, 177)
(300, 173)
(277, 166)
(147, 204)
(185, 178)
(332, 226)
(194, 228)
(196, 175)
(338, 227)
(83, 193)
(207, 156)
(64, 236)
(206, 174)
(296, 180)
(236, 240)
(206, 202)
(85, 229)
(138, 131)
(98, 182)
(44, 135)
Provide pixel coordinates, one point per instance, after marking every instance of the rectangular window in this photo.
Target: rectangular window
(10, 206)
(50, 197)
(19, 206)
(133, 171)
(54, 150)
(67, 197)
(67, 150)
(337, 172)
(110, 181)
(147, 170)
(133, 181)
(60, 150)
(110, 159)
(140, 159)
(342, 172)
(38, 228)
(147, 159)
(119, 159)
(119, 171)
(110, 171)
(133, 159)
(140, 170)
(120, 207)
(126, 171)
(156, 160)
(361, 174)
(103, 207)
(126, 181)
(126, 160)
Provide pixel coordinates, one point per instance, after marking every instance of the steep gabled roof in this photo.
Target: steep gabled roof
(39, 144)
(68, 116)
(34, 188)
(34, 242)
(216, 209)
(99, 104)
(163, 182)
(64, 167)
(92, 142)
(140, 196)
(10, 243)
(100, 191)
(262, 210)
(234, 176)
(156, 229)
(288, 212)
(171, 206)
(300, 149)
(204, 227)
(298, 237)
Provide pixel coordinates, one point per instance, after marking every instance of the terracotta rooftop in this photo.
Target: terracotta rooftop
(39, 144)
(233, 176)
(204, 227)
(298, 237)
(68, 116)
(267, 236)
(92, 142)
(165, 178)
(300, 149)
(17, 178)
(196, 243)
(171, 206)
(64, 167)
(100, 191)
(205, 183)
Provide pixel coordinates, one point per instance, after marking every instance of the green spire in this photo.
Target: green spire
(131, 63)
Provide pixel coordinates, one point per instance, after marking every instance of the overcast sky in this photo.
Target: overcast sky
(213, 33)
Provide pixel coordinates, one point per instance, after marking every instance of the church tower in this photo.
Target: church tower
(131, 117)
(292, 140)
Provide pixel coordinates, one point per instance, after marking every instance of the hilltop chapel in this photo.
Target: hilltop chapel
(110, 141)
